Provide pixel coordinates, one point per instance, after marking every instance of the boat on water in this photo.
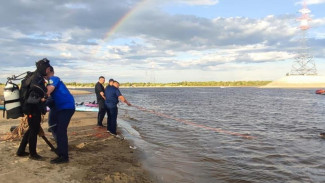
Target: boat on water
(91, 105)
(84, 108)
(87, 107)
(320, 91)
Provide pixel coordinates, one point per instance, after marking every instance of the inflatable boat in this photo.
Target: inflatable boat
(321, 91)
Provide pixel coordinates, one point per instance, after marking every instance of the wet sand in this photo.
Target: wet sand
(95, 156)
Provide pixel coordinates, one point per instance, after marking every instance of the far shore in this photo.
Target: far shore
(82, 87)
(77, 90)
(280, 86)
(72, 91)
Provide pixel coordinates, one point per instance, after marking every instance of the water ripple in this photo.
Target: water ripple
(284, 122)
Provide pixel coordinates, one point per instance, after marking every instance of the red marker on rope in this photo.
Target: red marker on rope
(219, 130)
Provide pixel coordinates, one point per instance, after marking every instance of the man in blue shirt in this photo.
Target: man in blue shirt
(113, 95)
(64, 109)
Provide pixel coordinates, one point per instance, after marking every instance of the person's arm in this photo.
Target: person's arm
(98, 88)
(103, 95)
(122, 99)
(53, 82)
(50, 89)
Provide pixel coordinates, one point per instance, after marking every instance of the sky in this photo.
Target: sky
(158, 41)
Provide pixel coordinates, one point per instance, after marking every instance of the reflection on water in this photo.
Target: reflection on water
(285, 122)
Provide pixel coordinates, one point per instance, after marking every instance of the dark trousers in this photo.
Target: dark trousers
(101, 112)
(63, 120)
(111, 120)
(30, 136)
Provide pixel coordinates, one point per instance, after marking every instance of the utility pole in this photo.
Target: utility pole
(304, 63)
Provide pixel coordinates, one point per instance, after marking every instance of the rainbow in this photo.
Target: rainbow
(123, 19)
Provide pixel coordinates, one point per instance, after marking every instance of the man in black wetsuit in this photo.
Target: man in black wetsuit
(33, 107)
(99, 90)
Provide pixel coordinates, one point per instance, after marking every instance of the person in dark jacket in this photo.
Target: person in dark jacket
(110, 82)
(113, 95)
(99, 90)
(34, 107)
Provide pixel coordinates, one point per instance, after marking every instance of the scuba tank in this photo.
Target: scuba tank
(12, 100)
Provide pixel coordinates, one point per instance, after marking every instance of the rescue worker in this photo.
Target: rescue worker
(99, 90)
(113, 95)
(64, 109)
(34, 107)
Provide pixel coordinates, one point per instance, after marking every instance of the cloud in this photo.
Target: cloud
(182, 32)
(199, 2)
(72, 35)
(311, 2)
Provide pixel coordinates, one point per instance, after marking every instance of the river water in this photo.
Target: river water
(186, 133)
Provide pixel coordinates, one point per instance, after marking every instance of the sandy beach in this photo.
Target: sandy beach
(95, 156)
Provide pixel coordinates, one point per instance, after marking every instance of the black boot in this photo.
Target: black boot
(35, 157)
(59, 160)
(21, 154)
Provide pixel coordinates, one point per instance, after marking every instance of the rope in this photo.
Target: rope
(19, 131)
(219, 130)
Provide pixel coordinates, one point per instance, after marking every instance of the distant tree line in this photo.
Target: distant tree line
(177, 84)
(182, 84)
(84, 85)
